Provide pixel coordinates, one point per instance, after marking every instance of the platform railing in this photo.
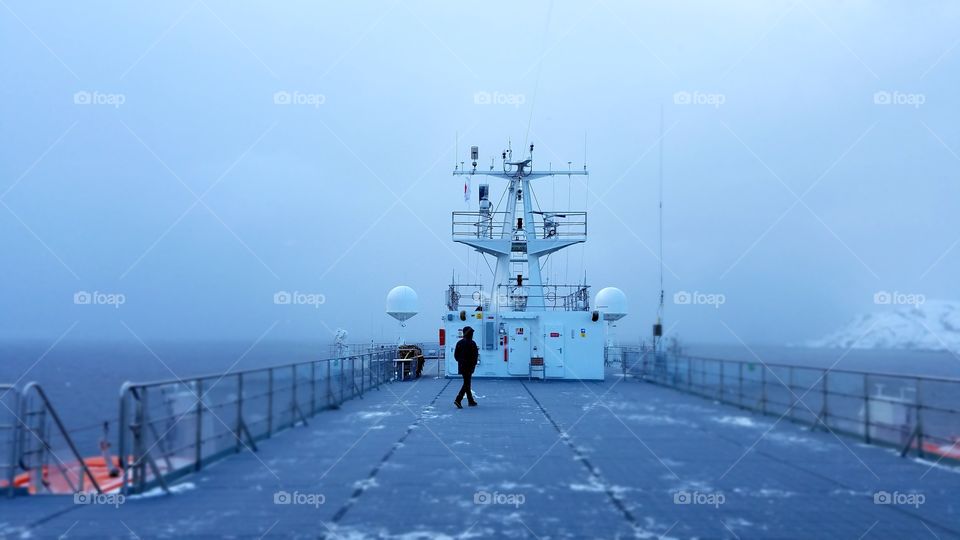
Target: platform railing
(173, 427)
(46, 450)
(551, 297)
(9, 422)
(912, 413)
(546, 225)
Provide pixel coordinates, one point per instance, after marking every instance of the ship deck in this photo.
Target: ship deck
(536, 459)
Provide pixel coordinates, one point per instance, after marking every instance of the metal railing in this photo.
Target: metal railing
(555, 297)
(9, 422)
(546, 225)
(474, 297)
(46, 451)
(174, 427)
(909, 412)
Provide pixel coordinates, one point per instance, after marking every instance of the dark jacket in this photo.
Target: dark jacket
(466, 354)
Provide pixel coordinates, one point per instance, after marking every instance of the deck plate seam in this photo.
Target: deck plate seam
(376, 470)
(580, 456)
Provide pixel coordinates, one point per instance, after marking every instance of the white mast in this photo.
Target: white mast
(522, 241)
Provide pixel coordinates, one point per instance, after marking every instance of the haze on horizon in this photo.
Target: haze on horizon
(198, 157)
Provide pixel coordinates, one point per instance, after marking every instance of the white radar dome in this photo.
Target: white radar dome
(612, 303)
(402, 303)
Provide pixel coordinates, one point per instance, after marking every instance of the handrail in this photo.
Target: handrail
(553, 224)
(832, 370)
(925, 419)
(172, 427)
(11, 466)
(48, 407)
(207, 376)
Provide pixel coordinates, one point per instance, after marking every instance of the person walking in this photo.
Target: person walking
(466, 353)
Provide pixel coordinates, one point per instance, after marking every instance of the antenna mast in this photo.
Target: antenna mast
(658, 327)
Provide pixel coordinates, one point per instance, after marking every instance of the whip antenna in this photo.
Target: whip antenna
(658, 327)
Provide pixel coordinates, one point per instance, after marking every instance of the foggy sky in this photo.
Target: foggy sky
(817, 163)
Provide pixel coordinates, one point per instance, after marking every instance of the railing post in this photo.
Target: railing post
(239, 431)
(826, 400)
(122, 438)
(919, 407)
(763, 389)
(269, 403)
(676, 369)
(15, 434)
(363, 373)
(198, 441)
(342, 375)
(740, 384)
(140, 453)
(721, 380)
(329, 388)
(293, 397)
(313, 388)
(866, 408)
(793, 395)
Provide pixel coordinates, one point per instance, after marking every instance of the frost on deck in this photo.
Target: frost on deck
(612, 459)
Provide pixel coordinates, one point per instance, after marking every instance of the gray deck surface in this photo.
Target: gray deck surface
(559, 460)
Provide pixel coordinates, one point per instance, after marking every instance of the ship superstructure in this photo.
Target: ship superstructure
(523, 325)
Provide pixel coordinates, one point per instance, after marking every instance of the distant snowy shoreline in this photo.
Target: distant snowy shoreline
(933, 325)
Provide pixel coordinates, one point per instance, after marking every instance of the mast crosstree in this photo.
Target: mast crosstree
(519, 236)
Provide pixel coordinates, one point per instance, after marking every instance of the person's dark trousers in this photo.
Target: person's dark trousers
(465, 389)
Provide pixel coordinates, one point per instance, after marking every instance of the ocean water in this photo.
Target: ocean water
(83, 379)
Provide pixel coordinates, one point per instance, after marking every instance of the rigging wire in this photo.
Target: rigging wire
(566, 269)
(536, 83)
(553, 204)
